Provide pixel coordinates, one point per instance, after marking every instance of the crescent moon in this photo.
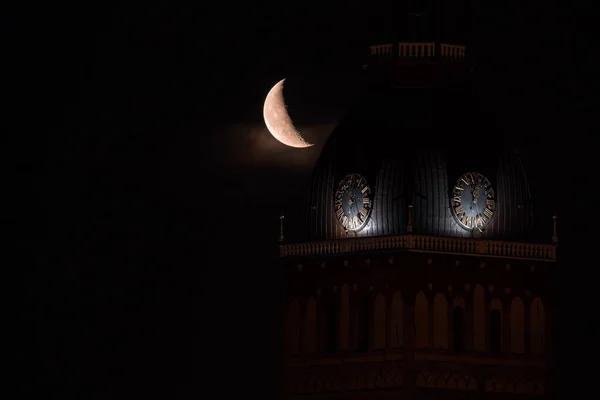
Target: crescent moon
(278, 121)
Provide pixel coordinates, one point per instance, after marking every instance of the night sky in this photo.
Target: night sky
(149, 190)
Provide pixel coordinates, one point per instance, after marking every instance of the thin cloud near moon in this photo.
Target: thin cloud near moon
(278, 121)
(250, 145)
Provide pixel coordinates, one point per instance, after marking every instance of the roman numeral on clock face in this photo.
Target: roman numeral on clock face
(339, 212)
(468, 179)
(479, 221)
(488, 213)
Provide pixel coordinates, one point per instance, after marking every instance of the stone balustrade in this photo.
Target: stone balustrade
(452, 51)
(430, 244)
(419, 50)
(381, 50)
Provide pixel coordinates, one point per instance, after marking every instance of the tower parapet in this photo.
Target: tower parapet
(419, 64)
(423, 51)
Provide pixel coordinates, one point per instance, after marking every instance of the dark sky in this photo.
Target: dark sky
(148, 190)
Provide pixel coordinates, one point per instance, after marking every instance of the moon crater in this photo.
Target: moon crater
(278, 121)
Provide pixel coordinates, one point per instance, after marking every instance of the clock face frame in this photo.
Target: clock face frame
(473, 201)
(352, 203)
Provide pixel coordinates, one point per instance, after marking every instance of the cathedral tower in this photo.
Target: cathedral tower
(421, 272)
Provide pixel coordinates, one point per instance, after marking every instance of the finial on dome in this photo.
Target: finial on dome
(409, 225)
(281, 217)
(554, 235)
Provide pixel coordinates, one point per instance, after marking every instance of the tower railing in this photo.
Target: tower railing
(453, 51)
(418, 243)
(381, 50)
(418, 50)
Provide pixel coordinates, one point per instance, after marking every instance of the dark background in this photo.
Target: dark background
(144, 230)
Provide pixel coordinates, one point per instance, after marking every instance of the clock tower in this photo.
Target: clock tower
(420, 273)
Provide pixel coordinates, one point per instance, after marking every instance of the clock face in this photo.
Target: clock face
(352, 202)
(473, 201)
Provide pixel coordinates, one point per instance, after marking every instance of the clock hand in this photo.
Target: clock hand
(476, 199)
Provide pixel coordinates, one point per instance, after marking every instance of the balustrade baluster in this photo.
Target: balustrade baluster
(450, 245)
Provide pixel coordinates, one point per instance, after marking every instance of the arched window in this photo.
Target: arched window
(517, 326)
(379, 324)
(362, 326)
(496, 332)
(293, 328)
(421, 321)
(310, 327)
(329, 327)
(344, 318)
(396, 320)
(496, 327)
(479, 318)
(440, 322)
(458, 327)
(537, 327)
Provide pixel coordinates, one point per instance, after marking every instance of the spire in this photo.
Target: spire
(409, 226)
(554, 235)
(281, 217)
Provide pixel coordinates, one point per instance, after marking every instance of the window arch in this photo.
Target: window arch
(328, 332)
(458, 325)
(440, 322)
(517, 326)
(421, 321)
(344, 317)
(362, 324)
(537, 327)
(379, 324)
(310, 327)
(496, 326)
(293, 328)
(396, 320)
(479, 318)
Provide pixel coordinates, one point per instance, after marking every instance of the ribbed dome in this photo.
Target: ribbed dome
(409, 171)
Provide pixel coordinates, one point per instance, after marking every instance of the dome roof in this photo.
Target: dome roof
(384, 138)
